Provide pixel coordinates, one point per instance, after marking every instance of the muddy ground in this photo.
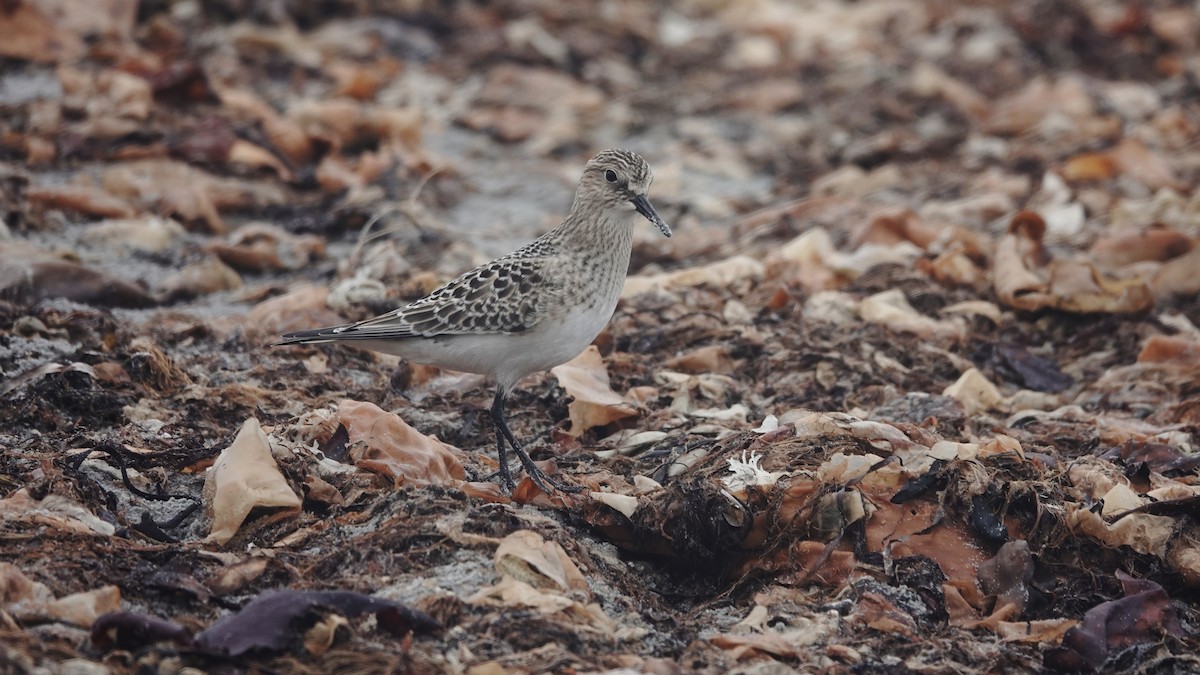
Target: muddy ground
(914, 387)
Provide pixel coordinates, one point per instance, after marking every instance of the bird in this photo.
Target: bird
(535, 308)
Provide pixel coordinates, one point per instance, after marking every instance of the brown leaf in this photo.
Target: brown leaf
(1155, 243)
(50, 31)
(1089, 166)
(875, 611)
(31, 601)
(195, 197)
(1137, 161)
(235, 577)
(1178, 275)
(1026, 278)
(707, 359)
(1022, 111)
(593, 403)
(525, 556)
(92, 201)
(380, 441)
(1144, 614)
(28, 275)
(243, 478)
(200, 278)
(259, 247)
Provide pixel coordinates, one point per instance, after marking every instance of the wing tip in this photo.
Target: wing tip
(303, 337)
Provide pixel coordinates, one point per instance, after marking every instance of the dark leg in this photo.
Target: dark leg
(535, 474)
(506, 479)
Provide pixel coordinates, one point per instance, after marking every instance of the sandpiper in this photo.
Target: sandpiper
(531, 310)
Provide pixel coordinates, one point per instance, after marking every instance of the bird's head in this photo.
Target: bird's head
(619, 179)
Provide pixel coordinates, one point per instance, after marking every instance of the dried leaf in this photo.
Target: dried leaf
(277, 621)
(891, 309)
(243, 478)
(85, 199)
(259, 247)
(193, 196)
(525, 556)
(1026, 278)
(380, 441)
(53, 511)
(593, 403)
(32, 601)
(1144, 614)
(719, 274)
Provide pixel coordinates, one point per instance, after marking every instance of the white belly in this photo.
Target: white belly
(507, 358)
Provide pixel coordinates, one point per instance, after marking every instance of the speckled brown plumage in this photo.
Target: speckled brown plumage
(531, 310)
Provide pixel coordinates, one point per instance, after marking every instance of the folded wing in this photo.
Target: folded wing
(504, 296)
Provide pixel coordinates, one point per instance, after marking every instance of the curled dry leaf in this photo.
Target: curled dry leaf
(1024, 110)
(518, 102)
(1141, 532)
(1045, 631)
(1026, 278)
(627, 505)
(195, 197)
(200, 278)
(789, 644)
(594, 403)
(250, 155)
(85, 199)
(113, 101)
(1155, 243)
(525, 556)
(259, 247)
(1170, 349)
(29, 275)
(147, 233)
(707, 359)
(1178, 276)
(50, 31)
(513, 593)
(345, 122)
(53, 511)
(893, 227)
(892, 309)
(976, 393)
(243, 478)
(878, 612)
(285, 135)
(539, 575)
(380, 441)
(1135, 160)
(234, 577)
(32, 601)
(719, 274)
(1144, 614)
(812, 260)
(929, 80)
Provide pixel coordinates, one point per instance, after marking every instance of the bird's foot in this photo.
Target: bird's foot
(541, 478)
(504, 478)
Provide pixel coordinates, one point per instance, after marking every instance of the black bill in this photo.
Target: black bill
(643, 207)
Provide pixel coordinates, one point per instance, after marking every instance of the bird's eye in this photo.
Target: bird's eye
(610, 175)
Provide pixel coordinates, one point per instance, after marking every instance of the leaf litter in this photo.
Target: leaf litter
(913, 390)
